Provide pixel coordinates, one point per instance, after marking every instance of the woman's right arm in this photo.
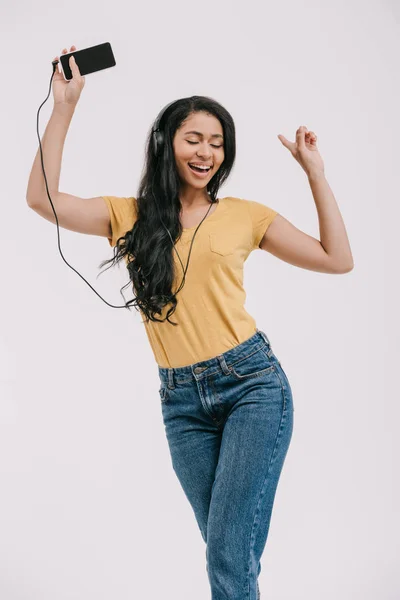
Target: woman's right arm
(52, 148)
(84, 215)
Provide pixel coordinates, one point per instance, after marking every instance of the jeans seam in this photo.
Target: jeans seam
(283, 389)
(163, 392)
(257, 510)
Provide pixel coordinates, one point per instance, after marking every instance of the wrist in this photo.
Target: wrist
(315, 175)
(62, 109)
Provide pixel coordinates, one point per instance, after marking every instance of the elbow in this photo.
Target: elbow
(344, 269)
(29, 201)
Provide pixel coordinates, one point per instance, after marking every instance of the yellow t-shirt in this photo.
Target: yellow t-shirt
(210, 312)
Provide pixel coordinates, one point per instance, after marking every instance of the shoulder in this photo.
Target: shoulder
(252, 207)
(236, 203)
(121, 205)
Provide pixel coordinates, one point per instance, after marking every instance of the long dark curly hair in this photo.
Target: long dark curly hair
(148, 246)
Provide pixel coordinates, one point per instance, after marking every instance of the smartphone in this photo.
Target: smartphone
(89, 60)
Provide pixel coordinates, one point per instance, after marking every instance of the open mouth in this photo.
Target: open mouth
(199, 171)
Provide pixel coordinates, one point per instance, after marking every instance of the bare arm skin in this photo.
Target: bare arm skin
(84, 215)
(330, 255)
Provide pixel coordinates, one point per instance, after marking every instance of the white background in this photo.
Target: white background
(90, 508)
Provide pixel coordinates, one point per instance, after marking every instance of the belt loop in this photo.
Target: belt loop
(171, 383)
(224, 366)
(264, 336)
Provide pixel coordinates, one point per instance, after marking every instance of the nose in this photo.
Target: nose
(204, 151)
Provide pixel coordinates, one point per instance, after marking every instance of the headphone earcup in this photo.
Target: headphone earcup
(158, 140)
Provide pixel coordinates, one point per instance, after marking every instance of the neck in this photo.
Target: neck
(193, 198)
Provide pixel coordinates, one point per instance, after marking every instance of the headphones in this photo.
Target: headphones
(158, 144)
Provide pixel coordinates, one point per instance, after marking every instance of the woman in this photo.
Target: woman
(226, 401)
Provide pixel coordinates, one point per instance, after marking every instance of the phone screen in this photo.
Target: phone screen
(89, 60)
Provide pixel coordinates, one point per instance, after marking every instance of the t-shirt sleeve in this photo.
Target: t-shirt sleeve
(123, 214)
(261, 218)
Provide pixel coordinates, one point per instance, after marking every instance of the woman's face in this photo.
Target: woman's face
(203, 148)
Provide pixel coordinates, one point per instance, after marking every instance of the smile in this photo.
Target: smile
(199, 172)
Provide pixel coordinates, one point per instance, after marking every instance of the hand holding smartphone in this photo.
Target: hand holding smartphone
(89, 60)
(69, 83)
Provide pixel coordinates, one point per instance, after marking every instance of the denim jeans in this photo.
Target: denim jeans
(229, 422)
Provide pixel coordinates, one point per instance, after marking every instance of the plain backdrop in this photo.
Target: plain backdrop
(90, 507)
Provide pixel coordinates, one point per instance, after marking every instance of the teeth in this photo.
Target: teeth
(200, 167)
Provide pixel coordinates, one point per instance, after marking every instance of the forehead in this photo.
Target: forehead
(203, 122)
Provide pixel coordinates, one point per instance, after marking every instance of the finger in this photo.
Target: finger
(286, 143)
(300, 136)
(311, 138)
(57, 65)
(73, 65)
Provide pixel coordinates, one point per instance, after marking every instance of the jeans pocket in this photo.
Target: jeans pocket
(255, 364)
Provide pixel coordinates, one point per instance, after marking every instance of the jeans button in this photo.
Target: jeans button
(199, 369)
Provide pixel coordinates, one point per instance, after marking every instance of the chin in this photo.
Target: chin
(199, 185)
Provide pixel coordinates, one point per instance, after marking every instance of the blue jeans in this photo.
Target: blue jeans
(229, 422)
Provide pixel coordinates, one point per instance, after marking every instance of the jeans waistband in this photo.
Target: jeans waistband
(211, 365)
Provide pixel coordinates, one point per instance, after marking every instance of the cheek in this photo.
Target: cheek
(180, 160)
(221, 159)
(183, 164)
(182, 168)
(183, 158)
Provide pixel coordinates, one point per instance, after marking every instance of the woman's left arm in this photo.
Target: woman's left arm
(331, 254)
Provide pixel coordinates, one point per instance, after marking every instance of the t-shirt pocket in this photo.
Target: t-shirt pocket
(221, 245)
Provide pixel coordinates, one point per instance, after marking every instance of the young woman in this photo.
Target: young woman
(226, 401)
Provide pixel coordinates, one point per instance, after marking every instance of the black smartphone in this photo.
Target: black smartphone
(89, 60)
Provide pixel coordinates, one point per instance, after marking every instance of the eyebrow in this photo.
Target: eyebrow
(201, 135)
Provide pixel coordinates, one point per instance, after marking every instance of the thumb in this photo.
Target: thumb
(73, 66)
(76, 74)
(284, 141)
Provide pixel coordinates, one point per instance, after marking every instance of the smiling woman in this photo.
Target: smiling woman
(225, 398)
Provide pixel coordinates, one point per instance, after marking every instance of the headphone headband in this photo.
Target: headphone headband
(156, 126)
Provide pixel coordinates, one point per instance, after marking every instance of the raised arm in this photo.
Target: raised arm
(84, 215)
(331, 254)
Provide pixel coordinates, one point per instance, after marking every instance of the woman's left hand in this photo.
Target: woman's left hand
(305, 150)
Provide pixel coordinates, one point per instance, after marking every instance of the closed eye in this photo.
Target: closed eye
(213, 145)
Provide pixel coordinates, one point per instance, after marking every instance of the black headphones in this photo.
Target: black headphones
(158, 143)
(158, 135)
